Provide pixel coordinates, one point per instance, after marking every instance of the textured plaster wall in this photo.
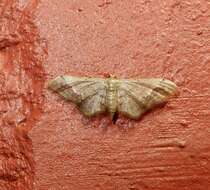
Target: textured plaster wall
(21, 84)
(47, 144)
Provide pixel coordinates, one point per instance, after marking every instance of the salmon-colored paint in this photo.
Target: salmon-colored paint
(47, 144)
(21, 100)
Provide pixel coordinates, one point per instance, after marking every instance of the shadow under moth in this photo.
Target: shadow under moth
(130, 97)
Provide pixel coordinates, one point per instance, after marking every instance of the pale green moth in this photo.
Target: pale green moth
(131, 97)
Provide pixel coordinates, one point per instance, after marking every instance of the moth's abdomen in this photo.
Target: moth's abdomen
(111, 97)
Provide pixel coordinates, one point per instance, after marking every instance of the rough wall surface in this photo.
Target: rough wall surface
(21, 84)
(168, 149)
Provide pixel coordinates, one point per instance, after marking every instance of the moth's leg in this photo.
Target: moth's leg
(99, 121)
(124, 123)
(87, 121)
(105, 123)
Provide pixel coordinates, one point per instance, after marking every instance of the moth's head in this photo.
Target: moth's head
(108, 75)
(112, 76)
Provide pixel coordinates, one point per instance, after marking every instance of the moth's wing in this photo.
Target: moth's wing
(88, 93)
(135, 97)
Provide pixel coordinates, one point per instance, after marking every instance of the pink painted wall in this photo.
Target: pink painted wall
(47, 144)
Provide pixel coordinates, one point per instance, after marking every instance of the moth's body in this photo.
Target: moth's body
(111, 96)
(131, 97)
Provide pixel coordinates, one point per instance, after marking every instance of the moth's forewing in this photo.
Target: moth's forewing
(88, 93)
(135, 97)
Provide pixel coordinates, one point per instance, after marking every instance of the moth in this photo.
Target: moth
(130, 97)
